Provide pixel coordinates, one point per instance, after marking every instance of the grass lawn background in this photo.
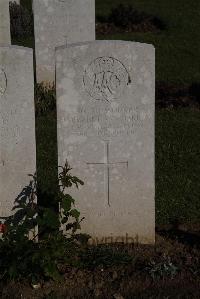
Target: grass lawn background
(177, 47)
(177, 131)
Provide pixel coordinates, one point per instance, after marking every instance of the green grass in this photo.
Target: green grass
(177, 166)
(177, 48)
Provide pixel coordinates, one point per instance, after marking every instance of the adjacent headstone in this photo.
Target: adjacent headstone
(60, 22)
(15, 1)
(5, 38)
(17, 125)
(105, 106)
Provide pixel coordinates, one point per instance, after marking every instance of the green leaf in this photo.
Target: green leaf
(76, 181)
(51, 218)
(51, 271)
(69, 226)
(66, 204)
(39, 220)
(75, 213)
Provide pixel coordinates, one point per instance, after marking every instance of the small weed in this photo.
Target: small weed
(162, 269)
(22, 255)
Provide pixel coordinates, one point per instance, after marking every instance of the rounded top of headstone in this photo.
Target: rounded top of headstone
(106, 42)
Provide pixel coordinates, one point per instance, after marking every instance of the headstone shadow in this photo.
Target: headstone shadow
(187, 238)
(25, 207)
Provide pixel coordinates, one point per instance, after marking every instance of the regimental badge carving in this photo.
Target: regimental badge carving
(105, 79)
(3, 81)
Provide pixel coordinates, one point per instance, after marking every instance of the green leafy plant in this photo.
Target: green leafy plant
(26, 252)
(162, 269)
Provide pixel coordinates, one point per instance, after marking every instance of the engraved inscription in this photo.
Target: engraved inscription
(68, 2)
(105, 79)
(105, 122)
(108, 165)
(7, 130)
(3, 82)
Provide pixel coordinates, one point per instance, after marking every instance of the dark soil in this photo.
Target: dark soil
(149, 274)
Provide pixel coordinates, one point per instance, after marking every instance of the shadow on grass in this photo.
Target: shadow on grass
(175, 233)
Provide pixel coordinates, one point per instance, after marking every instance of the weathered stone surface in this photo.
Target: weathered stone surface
(17, 124)
(105, 106)
(5, 38)
(17, 1)
(58, 22)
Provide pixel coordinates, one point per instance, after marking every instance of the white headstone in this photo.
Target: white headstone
(15, 1)
(105, 106)
(60, 22)
(17, 124)
(5, 38)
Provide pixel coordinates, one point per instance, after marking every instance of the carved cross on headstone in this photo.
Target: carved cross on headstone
(66, 40)
(107, 165)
